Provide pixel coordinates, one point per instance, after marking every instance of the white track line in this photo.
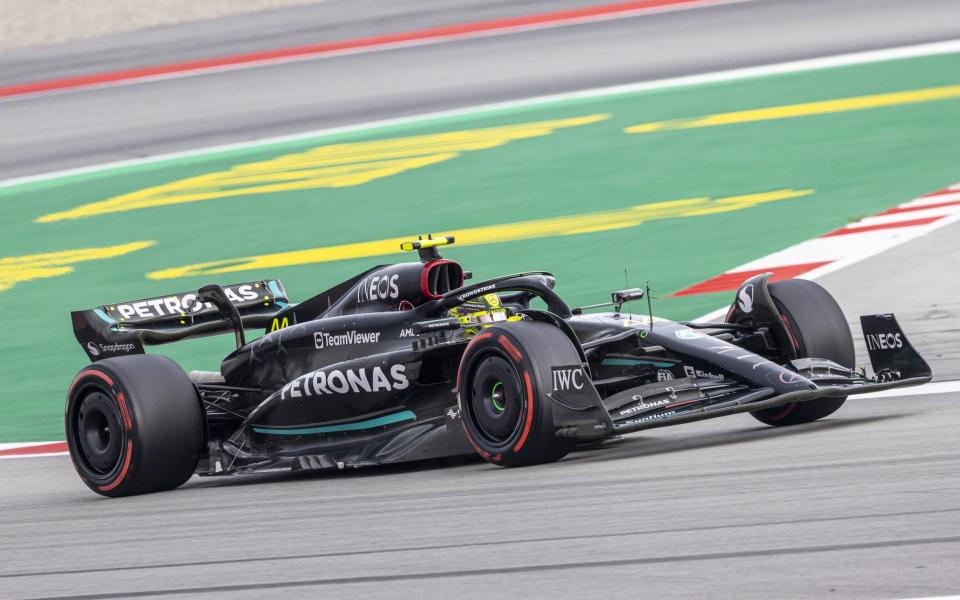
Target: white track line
(35, 455)
(379, 47)
(841, 251)
(827, 62)
(856, 58)
(938, 387)
(24, 445)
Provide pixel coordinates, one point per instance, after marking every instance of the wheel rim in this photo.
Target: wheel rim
(496, 399)
(98, 433)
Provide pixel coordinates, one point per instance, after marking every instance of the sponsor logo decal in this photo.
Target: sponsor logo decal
(692, 372)
(279, 324)
(345, 381)
(428, 341)
(884, 341)
(887, 376)
(476, 292)
(642, 406)
(664, 375)
(745, 298)
(749, 356)
(322, 339)
(98, 349)
(568, 378)
(688, 334)
(789, 377)
(378, 287)
(177, 305)
(646, 418)
(640, 320)
(407, 333)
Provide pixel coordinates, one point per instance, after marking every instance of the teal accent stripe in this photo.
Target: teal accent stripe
(399, 417)
(104, 316)
(274, 288)
(626, 362)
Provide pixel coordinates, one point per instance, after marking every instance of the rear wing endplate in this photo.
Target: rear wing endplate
(126, 327)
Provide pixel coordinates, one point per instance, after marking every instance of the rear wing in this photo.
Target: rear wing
(126, 327)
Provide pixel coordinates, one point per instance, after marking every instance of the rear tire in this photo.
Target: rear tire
(133, 425)
(818, 329)
(504, 376)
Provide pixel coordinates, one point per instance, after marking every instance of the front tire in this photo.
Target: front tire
(817, 329)
(502, 385)
(133, 425)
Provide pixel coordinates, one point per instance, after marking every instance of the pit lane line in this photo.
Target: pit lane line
(828, 62)
(22, 449)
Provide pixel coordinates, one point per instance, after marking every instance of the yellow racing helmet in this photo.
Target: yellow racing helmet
(479, 313)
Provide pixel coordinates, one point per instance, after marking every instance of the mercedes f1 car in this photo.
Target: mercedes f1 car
(404, 362)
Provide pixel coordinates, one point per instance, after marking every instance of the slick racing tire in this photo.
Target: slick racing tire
(502, 386)
(817, 329)
(134, 425)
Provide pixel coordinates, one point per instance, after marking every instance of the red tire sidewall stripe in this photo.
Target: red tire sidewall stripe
(127, 423)
(479, 450)
(796, 348)
(87, 373)
(784, 413)
(465, 353)
(510, 348)
(466, 431)
(123, 470)
(528, 385)
(529, 421)
(789, 328)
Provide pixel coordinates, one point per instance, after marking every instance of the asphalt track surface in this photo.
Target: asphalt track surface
(79, 128)
(863, 504)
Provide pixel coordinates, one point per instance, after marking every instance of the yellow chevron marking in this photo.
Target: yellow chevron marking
(493, 234)
(17, 269)
(803, 110)
(332, 166)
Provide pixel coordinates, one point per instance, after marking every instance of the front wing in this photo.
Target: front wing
(894, 360)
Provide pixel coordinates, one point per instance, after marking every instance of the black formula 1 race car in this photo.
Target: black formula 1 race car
(404, 362)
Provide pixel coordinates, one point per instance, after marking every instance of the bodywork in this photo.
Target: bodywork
(365, 372)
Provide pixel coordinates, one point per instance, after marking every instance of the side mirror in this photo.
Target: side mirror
(627, 295)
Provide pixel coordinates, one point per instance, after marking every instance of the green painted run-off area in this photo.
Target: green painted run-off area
(857, 163)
